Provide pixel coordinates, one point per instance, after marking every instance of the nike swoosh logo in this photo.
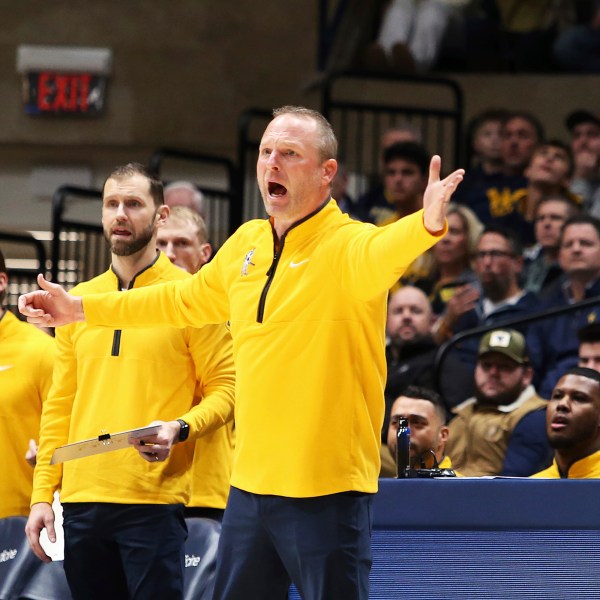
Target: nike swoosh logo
(6, 367)
(293, 264)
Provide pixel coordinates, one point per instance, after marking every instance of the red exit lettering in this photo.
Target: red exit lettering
(63, 93)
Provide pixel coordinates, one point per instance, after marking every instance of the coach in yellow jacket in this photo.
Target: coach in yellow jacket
(123, 517)
(305, 293)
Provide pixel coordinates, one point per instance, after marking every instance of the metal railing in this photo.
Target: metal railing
(79, 250)
(216, 177)
(24, 248)
(476, 332)
(354, 106)
(362, 106)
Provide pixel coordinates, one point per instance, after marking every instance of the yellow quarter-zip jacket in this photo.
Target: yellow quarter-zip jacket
(26, 361)
(111, 380)
(307, 322)
(585, 468)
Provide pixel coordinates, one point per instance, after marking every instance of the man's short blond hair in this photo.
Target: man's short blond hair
(187, 215)
(327, 144)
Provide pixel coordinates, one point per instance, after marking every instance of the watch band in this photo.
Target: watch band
(184, 432)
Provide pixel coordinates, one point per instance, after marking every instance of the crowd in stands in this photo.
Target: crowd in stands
(523, 237)
(524, 400)
(418, 36)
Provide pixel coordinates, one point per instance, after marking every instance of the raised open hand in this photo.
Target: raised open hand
(438, 194)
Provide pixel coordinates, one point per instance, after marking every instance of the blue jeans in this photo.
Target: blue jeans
(322, 544)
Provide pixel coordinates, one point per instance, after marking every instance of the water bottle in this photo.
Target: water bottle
(402, 448)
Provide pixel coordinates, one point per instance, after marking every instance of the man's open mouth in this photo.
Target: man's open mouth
(276, 189)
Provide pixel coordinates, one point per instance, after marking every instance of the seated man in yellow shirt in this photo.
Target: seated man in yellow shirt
(573, 426)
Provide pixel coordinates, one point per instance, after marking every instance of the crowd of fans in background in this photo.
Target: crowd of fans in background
(522, 399)
(418, 36)
(523, 236)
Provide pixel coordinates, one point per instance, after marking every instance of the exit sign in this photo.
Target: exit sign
(50, 92)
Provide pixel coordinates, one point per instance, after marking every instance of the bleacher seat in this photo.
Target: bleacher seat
(200, 558)
(17, 563)
(48, 583)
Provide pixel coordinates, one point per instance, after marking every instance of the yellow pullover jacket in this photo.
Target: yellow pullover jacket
(585, 468)
(108, 380)
(26, 361)
(308, 328)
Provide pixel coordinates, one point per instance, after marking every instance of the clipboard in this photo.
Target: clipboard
(107, 442)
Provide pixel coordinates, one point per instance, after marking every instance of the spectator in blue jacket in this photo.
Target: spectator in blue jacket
(554, 344)
(496, 200)
(541, 261)
(498, 296)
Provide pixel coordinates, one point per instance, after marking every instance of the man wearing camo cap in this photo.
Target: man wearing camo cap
(501, 430)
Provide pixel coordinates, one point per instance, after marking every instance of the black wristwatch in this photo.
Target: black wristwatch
(184, 432)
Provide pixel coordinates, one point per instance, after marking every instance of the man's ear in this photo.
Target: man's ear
(329, 170)
(527, 376)
(162, 214)
(444, 433)
(3, 281)
(206, 250)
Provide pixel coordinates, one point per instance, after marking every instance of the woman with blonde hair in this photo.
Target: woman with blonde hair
(448, 264)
